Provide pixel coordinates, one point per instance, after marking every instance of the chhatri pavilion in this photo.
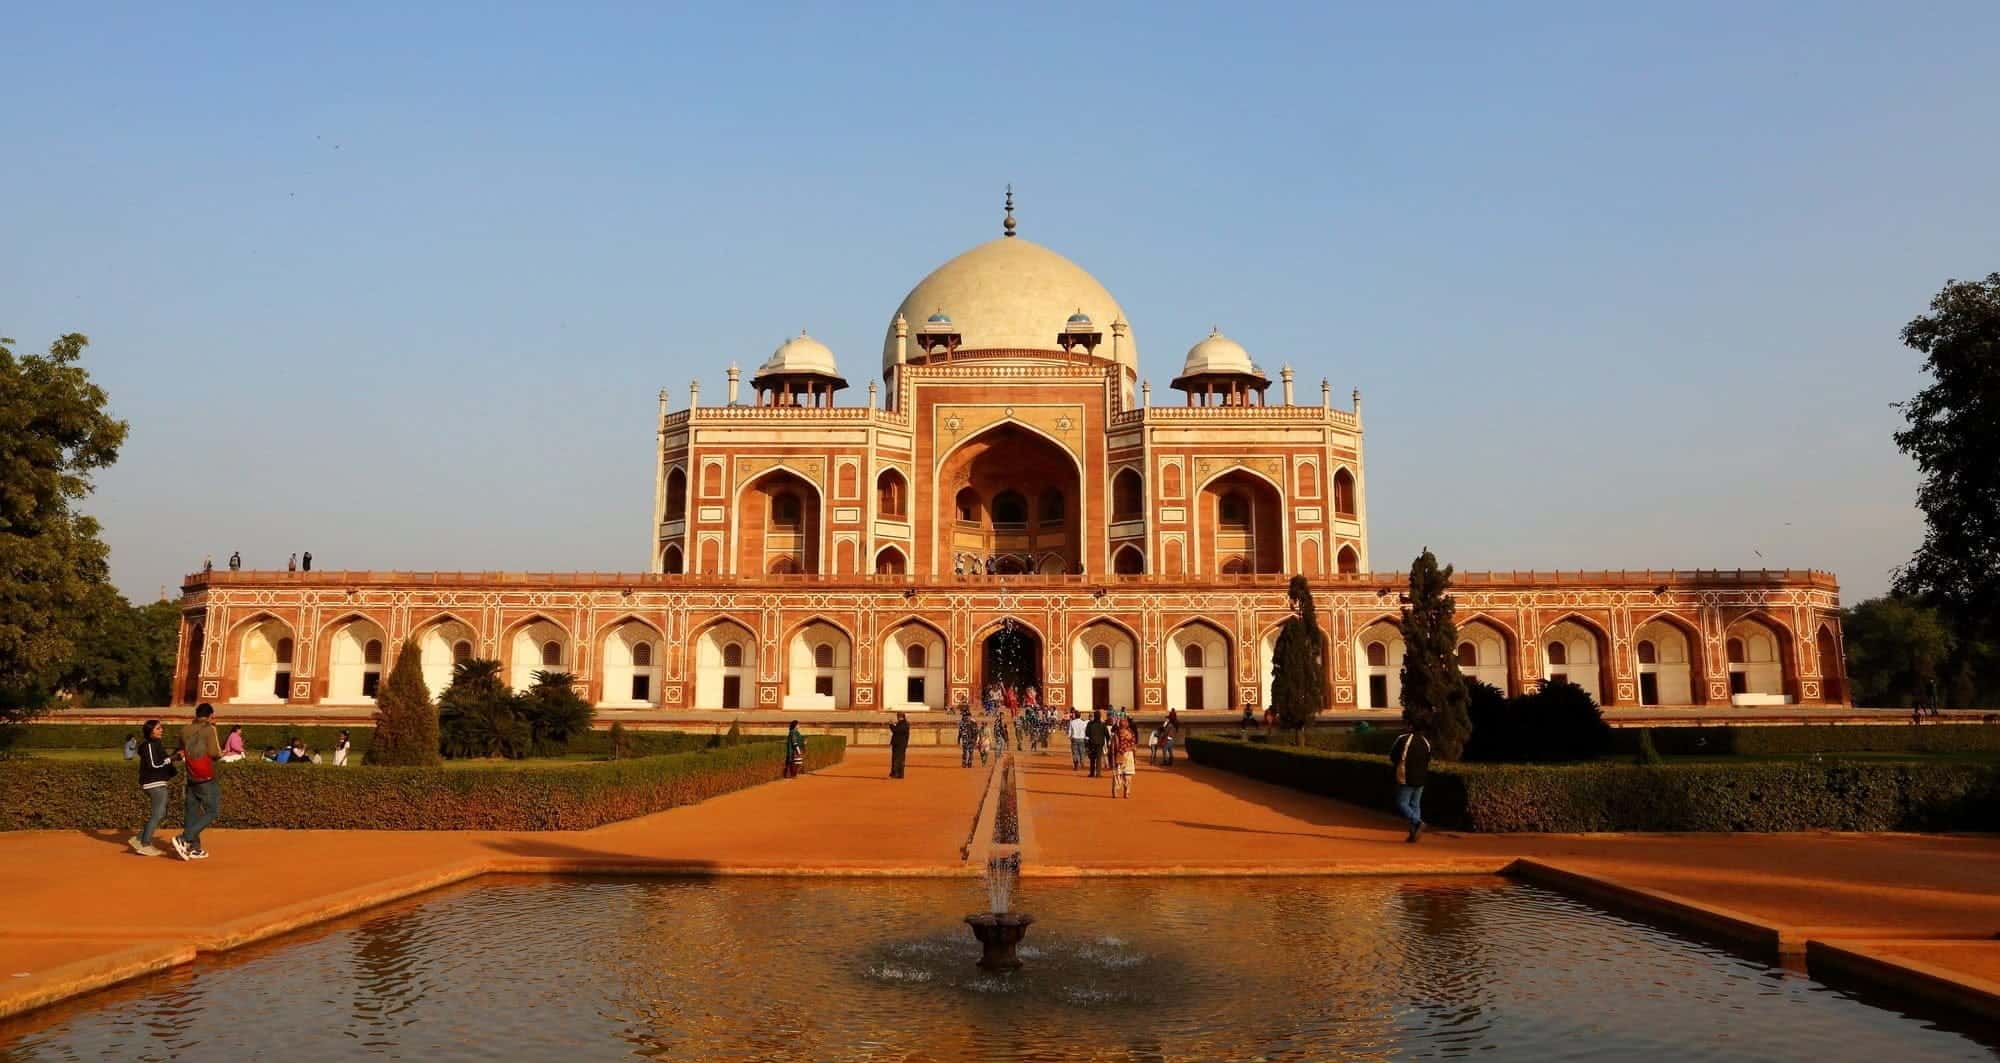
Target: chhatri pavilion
(1008, 499)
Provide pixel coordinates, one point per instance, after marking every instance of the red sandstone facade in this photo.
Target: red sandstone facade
(1015, 507)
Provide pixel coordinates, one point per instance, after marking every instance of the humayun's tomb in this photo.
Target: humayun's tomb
(1008, 502)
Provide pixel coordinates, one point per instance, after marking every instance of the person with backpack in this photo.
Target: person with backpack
(1411, 757)
(156, 774)
(202, 804)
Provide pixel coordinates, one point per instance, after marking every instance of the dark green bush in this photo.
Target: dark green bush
(1604, 796)
(1648, 753)
(621, 746)
(1782, 740)
(553, 711)
(1559, 721)
(40, 794)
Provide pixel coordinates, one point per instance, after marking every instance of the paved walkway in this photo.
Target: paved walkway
(84, 912)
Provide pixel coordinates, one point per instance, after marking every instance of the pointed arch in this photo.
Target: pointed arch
(1349, 563)
(345, 645)
(677, 495)
(819, 661)
(263, 649)
(914, 652)
(719, 683)
(535, 643)
(672, 560)
(1200, 667)
(1343, 493)
(779, 513)
(1767, 670)
(1128, 560)
(630, 653)
(1832, 666)
(1108, 680)
(1680, 673)
(1585, 658)
(889, 561)
(1128, 495)
(1240, 511)
(892, 495)
(440, 638)
(1378, 664)
(1495, 649)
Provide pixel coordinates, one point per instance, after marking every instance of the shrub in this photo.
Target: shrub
(1648, 754)
(406, 723)
(40, 794)
(1829, 795)
(1560, 721)
(731, 737)
(621, 746)
(256, 736)
(1494, 733)
(1821, 738)
(553, 712)
(479, 717)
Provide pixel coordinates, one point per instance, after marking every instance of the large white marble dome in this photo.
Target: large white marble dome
(1011, 293)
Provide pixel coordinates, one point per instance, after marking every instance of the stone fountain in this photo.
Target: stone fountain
(1000, 929)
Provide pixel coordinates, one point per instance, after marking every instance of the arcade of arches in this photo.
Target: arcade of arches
(811, 549)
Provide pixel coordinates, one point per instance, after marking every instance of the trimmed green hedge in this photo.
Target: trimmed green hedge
(1571, 798)
(40, 794)
(1884, 737)
(261, 736)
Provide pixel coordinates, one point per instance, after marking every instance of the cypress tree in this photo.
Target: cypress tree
(1434, 694)
(406, 723)
(1298, 663)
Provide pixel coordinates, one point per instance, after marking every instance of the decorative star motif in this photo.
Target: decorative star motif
(952, 423)
(1009, 411)
(1063, 424)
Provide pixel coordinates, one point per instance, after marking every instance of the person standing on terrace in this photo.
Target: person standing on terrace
(899, 744)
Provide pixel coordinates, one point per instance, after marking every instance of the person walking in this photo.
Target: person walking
(968, 736)
(202, 800)
(795, 751)
(1244, 725)
(985, 740)
(1095, 735)
(899, 744)
(341, 744)
(156, 773)
(1168, 732)
(1078, 730)
(1411, 757)
(1124, 756)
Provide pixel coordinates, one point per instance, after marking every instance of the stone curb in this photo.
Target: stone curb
(1861, 962)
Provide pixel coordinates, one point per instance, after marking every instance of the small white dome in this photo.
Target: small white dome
(1218, 354)
(800, 354)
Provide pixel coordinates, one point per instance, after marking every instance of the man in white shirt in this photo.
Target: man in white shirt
(1076, 740)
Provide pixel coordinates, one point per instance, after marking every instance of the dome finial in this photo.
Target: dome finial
(1007, 223)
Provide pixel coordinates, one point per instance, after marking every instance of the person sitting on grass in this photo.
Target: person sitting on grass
(300, 754)
(232, 746)
(131, 747)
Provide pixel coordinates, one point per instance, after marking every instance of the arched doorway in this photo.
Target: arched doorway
(778, 525)
(1663, 654)
(1484, 652)
(1378, 665)
(264, 663)
(819, 665)
(725, 667)
(1241, 519)
(354, 665)
(443, 644)
(1198, 668)
(1009, 493)
(540, 645)
(1010, 655)
(1103, 672)
(913, 668)
(1756, 655)
(630, 659)
(1576, 653)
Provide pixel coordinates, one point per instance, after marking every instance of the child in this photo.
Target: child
(1153, 744)
(985, 742)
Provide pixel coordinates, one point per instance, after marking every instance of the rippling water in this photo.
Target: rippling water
(1131, 969)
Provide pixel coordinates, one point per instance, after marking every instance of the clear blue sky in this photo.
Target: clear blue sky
(1620, 289)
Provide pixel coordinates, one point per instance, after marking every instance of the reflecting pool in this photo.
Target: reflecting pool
(598, 968)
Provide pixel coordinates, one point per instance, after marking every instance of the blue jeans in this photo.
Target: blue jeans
(203, 805)
(158, 796)
(1409, 801)
(1075, 753)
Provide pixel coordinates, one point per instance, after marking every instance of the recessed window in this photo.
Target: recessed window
(1191, 656)
(551, 654)
(372, 652)
(1558, 653)
(461, 651)
(732, 655)
(1234, 511)
(785, 510)
(1010, 508)
(642, 655)
(1648, 653)
(1468, 655)
(1100, 657)
(1378, 655)
(914, 657)
(823, 655)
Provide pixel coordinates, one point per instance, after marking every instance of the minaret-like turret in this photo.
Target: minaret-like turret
(1219, 372)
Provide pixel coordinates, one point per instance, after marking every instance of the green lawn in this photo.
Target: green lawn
(1974, 757)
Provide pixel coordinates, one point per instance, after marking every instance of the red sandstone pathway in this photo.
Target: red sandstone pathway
(84, 911)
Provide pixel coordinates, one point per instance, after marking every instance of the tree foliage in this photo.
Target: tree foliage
(478, 716)
(1434, 694)
(54, 434)
(1559, 721)
(1953, 433)
(125, 656)
(406, 723)
(1298, 662)
(554, 712)
(1896, 650)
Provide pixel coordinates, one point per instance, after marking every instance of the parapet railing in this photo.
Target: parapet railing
(1661, 579)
